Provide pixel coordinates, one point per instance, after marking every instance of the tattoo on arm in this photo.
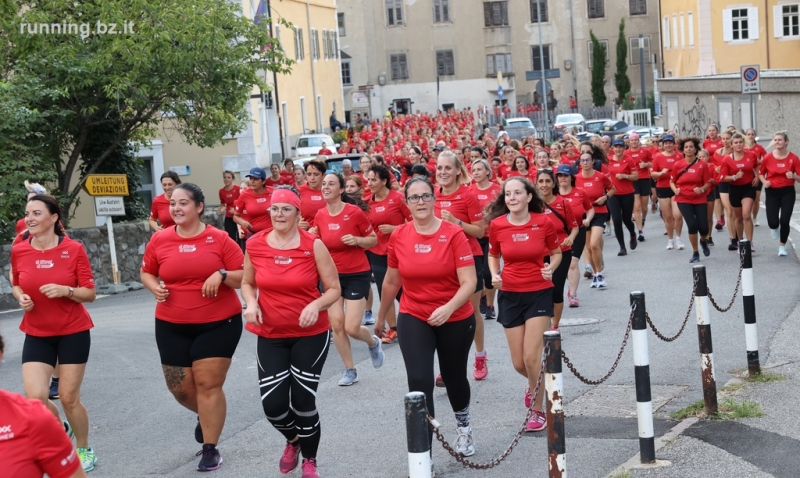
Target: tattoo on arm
(175, 377)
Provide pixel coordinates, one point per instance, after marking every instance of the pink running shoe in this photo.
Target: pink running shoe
(310, 468)
(289, 457)
(573, 301)
(439, 382)
(528, 396)
(537, 423)
(481, 370)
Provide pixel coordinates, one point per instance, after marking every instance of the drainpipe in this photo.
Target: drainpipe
(766, 25)
(277, 104)
(574, 54)
(313, 73)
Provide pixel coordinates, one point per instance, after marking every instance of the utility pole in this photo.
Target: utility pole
(544, 78)
(641, 70)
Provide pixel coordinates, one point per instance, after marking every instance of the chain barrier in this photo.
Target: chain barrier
(613, 367)
(685, 319)
(735, 291)
(485, 466)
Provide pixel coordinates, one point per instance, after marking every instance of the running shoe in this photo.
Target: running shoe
(772, 232)
(368, 318)
(198, 432)
(607, 230)
(653, 207)
(706, 250)
(439, 382)
(376, 352)
(594, 282)
(484, 307)
(670, 245)
(720, 223)
(710, 241)
(601, 281)
(622, 252)
(54, 387)
(389, 336)
(537, 423)
(465, 444)
(573, 300)
(210, 459)
(633, 243)
(491, 314)
(752, 246)
(782, 250)
(756, 223)
(89, 459)
(695, 257)
(679, 243)
(349, 377)
(528, 396)
(641, 237)
(290, 457)
(588, 272)
(68, 430)
(481, 369)
(734, 245)
(309, 468)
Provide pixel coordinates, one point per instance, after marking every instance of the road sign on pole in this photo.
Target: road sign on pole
(751, 79)
(106, 185)
(110, 206)
(499, 92)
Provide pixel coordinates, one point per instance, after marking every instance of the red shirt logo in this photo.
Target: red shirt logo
(422, 248)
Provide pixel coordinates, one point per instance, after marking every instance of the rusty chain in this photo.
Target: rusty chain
(685, 319)
(496, 461)
(735, 291)
(613, 367)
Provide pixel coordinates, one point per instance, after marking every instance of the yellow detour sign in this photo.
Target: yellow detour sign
(106, 185)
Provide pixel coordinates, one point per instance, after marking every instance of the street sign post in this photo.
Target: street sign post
(500, 92)
(110, 206)
(106, 185)
(751, 84)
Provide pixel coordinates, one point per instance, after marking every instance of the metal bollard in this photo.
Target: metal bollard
(554, 386)
(749, 302)
(641, 362)
(702, 307)
(418, 436)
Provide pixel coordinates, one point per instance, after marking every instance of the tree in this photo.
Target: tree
(621, 80)
(190, 66)
(599, 64)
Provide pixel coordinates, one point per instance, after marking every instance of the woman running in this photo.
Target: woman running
(663, 163)
(228, 196)
(522, 235)
(354, 186)
(542, 160)
(623, 173)
(752, 145)
(311, 199)
(275, 178)
(252, 207)
(521, 168)
(159, 210)
(435, 313)
(779, 171)
(583, 212)
(52, 278)
(690, 181)
(559, 211)
(193, 269)
(486, 191)
(739, 170)
(282, 272)
(346, 232)
(599, 189)
(299, 176)
(712, 197)
(724, 189)
(643, 160)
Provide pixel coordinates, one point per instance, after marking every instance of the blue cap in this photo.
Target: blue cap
(257, 173)
(667, 137)
(618, 142)
(565, 169)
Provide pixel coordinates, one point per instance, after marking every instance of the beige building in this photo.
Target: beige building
(396, 50)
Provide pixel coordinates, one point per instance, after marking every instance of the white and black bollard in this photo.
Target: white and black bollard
(749, 302)
(641, 362)
(554, 386)
(418, 436)
(702, 307)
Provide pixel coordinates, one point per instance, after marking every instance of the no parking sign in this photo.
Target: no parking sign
(751, 79)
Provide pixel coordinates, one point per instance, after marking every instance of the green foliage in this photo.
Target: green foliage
(651, 103)
(340, 136)
(621, 80)
(628, 101)
(599, 64)
(728, 409)
(764, 377)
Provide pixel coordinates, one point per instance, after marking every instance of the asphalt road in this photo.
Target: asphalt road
(138, 429)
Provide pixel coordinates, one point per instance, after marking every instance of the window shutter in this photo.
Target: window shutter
(504, 12)
(399, 11)
(437, 17)
(296, 46)
(445, 10)
(501, 62)
(665, 31)
(777, 20)
(490, 65)
(487, 14)
(325, 49)
(508, 63)
(727, 25)
(403, 67)
(451, 64)
(690, 19)
(752, 20)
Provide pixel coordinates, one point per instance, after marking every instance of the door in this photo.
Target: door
(725, 109)
(402, 106)
(673, 121)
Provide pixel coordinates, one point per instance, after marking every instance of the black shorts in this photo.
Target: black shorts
(599, 220)
(713, 195)
(66, 349)
(181, 344)
(737, 193)
(480, 264)
(515, 308)
(760, 186)
(664, 193)
(579, 244)
(724, 188)
(355, 286)
(642, 187)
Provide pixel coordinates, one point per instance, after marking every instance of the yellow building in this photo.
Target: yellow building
(704, 37)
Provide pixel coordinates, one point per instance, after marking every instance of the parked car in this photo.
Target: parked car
(649, 132)
(613, 128)
(593, 127)
(519, 128)
(334, 161)
(565, 122)
(310, 144)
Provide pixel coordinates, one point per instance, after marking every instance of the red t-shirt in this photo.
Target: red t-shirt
(748, 165)
(694, 176)
(594, 186)
(159, 211)
(393, 211)
(464, 206)
(565, 223)
(21, 226)
(523, 249)
(625, 166)
(774, 170)
(228, 198)
(486, 196)
(66, 264)
(758, 150)
(325, 152)
(287, 178)
(33, 441)
(331, 229)
(641, 155)
(712, 146)
(311, 201)
(184, 265)
(579, 201)
(287, 281)
(254, 208)
(662, 162)
(428, 265)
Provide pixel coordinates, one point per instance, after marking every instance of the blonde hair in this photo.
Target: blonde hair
(783, 133)
(35, 188)
(464, 177)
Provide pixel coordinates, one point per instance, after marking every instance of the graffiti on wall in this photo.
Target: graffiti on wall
(695, 120)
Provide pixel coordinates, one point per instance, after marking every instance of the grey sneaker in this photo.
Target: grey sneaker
(376, 352)
(349, 377)
(465, 444)
(368, 318)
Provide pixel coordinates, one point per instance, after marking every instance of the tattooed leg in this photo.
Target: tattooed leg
(180, 382)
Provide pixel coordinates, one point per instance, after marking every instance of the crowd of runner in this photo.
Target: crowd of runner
(504, 222)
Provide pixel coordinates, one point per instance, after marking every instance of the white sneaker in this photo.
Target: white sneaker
(775, 234)
(679, 243)
(782, 250)
(670, 245)
(465, 444)
(756, 223)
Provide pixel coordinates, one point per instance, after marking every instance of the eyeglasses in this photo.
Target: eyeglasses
(274, 210)
(586, 160)
(427, 197)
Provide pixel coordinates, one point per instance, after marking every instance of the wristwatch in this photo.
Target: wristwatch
(224, 274)
(460, 223)
(71, 292)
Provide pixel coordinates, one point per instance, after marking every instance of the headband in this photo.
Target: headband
(285, 196)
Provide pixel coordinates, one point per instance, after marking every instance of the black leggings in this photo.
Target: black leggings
(290, 369)
(621, 207)
(487, 274)
(560, 276)
(451, 341)
(780, 201)
(379, 265)
(696, 217)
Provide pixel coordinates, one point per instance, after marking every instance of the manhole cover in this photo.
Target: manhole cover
(576, 322)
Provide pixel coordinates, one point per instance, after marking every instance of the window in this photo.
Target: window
(495, 14)
(444, 63)
(638, 7)
(675, 31)
(597, 8)
(399, 66)
(537, 63)
(441, 11)
(299, 50)
(741, 30)
(303, 113)
(498, 62)
(740, 24)
(604, 43)
(690, 19)
(633, 47)
(334, 45)
(665, 31)
(394, 12)
(346, 77)
(541, 14)
(683, 32)
(340, 21)
(314, 40)
(327, 44)
(278, 36)
(787, 21)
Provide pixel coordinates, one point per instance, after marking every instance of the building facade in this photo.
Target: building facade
(706, 37)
